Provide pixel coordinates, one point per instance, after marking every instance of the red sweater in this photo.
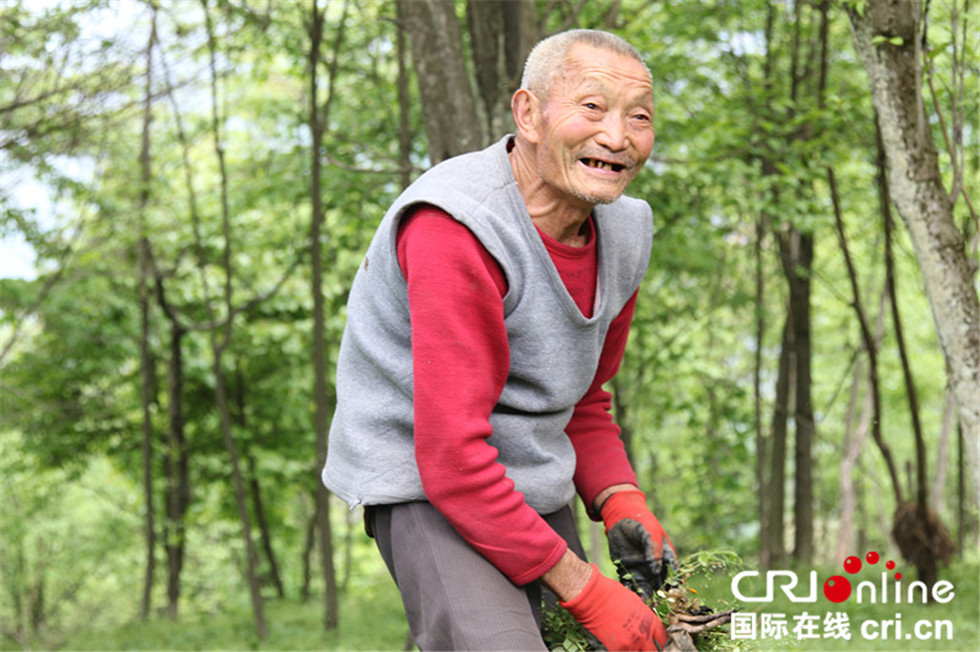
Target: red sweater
(460, 365)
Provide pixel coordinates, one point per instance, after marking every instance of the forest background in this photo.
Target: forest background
(198, 180)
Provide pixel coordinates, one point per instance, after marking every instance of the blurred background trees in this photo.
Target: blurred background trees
(197, 182)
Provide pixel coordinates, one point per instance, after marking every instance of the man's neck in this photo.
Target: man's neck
(552, 213)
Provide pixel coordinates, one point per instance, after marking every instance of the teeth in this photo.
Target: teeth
(602, 165)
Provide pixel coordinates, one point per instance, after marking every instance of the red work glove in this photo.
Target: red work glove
(616, 616)
(637, 541)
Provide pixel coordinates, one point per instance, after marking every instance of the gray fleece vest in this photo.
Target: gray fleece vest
(554, 349)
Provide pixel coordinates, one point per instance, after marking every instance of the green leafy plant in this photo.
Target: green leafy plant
(677, 603)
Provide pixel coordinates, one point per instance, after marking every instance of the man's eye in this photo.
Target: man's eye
(591, 106)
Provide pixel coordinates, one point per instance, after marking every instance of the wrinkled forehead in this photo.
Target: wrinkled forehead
(587, 67)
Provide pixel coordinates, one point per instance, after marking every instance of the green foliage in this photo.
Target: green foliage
(70, 543)
(562, 632)
(682, 590)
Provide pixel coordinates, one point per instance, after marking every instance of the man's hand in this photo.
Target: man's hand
(616, 616)
(637, 541)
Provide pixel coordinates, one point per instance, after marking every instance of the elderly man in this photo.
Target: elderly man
(494, 302)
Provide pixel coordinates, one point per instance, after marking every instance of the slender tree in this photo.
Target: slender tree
(761, 441)
(321, 418)
(177, 460)
(176, 463)
(220, 338)
(773, 550)
(917, 530)
(888, 37)
(147, 365)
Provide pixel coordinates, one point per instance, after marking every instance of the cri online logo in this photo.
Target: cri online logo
(838, 588)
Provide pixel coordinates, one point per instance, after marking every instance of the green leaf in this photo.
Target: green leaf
(891, 40)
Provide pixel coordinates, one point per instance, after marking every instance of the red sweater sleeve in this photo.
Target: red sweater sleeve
(460, 364)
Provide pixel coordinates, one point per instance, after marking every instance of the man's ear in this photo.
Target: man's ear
(526, 108)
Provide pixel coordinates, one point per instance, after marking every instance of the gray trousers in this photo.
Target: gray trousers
(454, 598)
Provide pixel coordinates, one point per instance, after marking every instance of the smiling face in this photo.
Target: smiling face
(594, 131)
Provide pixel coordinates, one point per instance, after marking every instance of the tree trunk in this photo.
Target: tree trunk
(770, 533)
(854, 436)
(966, 521)
(404, 112)
(176, 468)
(870, 343)
(520, 35)
(321, 415)
(855, 429)
(308, 548)
(890, 284)
(937, 497)
(36, 595)
(146, 399)
(761, 447)
(147, 367)
(796, 253)
(255, 491)
(448, 103)
(352, 524)
(774, 551)
(915, 183)
(920, 536)
(251, 559)
(220, 341)
(485, 21)
(501, 36)
(176, 465)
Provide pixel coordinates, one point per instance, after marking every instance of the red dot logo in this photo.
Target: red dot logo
(837, 588)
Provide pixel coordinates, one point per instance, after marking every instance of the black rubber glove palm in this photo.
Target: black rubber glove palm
(639, 569)
(637, 542)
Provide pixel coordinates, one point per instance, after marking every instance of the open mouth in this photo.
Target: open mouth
(603, 165)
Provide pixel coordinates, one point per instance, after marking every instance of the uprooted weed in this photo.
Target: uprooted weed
(691, 624)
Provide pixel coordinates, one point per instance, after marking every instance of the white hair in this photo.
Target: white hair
(547, 58)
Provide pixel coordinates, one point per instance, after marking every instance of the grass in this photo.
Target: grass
(371, 618)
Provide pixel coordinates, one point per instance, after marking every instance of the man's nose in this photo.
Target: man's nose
(613, 132)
